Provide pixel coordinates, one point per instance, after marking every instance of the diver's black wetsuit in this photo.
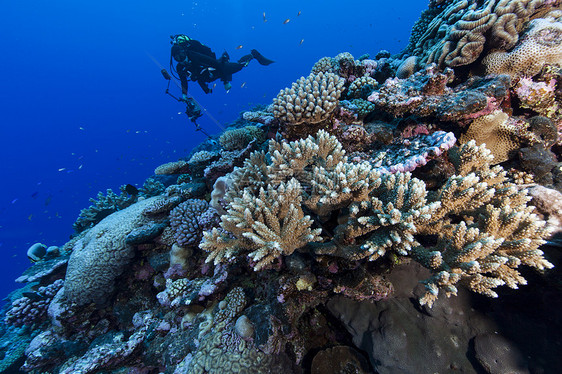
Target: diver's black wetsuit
(199, 63)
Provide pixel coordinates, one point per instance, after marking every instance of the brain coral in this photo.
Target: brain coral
(541, 45)
(455, 33)
(101, 255)
(311, 99)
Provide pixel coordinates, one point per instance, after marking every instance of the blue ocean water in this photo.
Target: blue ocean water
(82, 103)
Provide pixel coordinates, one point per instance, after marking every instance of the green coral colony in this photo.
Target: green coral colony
(223, 262)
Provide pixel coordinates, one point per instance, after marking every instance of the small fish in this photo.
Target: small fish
(48, 200)
(214, 85)
(34, 195)
(239, 47)
(287, 21)
(302, 40)
(81, 128)
(30, 216)
(243, 84)
(80, 167)
(264, 19)
(14, 201)
(131, 190)
(62, 169)
(299, 13)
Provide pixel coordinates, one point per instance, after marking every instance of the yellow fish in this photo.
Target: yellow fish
(239, 47)
(287, 21)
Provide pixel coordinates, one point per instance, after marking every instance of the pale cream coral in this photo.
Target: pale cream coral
(496, 132)
(268, 225)
(174, 167)
(309, 100)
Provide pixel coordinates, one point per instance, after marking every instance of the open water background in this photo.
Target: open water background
(82, 103)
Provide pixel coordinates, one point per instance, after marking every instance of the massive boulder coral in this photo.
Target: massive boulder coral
(101, 255)
(540, 45)
(309, 100)
(456, 33)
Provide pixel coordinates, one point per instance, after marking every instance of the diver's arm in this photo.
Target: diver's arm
(182, 73)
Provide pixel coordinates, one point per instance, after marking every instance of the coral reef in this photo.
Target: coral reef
(541, 45)
(456, 33)
(327, 231)
(310, 100)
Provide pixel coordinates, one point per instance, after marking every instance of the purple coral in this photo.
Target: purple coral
(32, 307)
(409, 153)
(183, 220)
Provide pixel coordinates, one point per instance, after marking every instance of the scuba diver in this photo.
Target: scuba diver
(200, 64)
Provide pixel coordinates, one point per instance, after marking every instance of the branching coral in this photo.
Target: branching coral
(309, 100)
(476, 213)
(497, 233)
(268, 225)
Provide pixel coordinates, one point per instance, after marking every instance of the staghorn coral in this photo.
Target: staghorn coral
(541, 45)
(268, 225)
(309, 100)
(382, 213)
(497, 233)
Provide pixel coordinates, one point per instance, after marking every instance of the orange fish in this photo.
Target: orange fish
(239, 47)
(287, 21)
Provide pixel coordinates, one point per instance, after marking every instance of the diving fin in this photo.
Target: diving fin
(262, 60)
(245, 60)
